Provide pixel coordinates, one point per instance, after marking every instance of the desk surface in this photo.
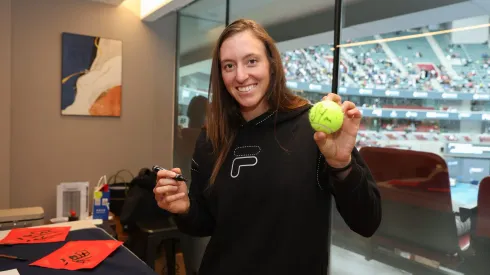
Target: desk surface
(122, 261)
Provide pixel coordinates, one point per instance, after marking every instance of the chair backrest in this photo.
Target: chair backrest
(418, 224)
(418, 217)
(391, 163)
(483, 216)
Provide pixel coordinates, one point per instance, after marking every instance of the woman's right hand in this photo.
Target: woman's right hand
(170, 194)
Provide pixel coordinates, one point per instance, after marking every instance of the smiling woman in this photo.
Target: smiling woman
(246, 72)
(262, 178)
(246, 82)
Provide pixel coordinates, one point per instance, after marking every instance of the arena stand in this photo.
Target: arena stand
(424, 64)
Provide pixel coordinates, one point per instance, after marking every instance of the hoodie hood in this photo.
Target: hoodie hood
(277, 117)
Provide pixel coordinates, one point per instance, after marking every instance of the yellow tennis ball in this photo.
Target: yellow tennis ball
(326, 116)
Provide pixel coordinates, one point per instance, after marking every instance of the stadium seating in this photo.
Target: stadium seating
(480, 237)
(368, 65)
(418, 219)
(482, 228)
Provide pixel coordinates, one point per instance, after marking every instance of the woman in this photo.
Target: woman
(261, 177)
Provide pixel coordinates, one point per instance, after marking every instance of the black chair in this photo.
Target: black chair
(156, 232)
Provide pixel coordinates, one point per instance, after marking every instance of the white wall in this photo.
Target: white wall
(59, 148)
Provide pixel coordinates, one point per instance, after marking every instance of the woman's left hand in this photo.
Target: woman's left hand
(337, 147)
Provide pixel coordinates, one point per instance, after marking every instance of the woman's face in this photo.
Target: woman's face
(245, 70)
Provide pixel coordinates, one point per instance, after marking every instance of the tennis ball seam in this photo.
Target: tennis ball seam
(323, 126)
(326, 116)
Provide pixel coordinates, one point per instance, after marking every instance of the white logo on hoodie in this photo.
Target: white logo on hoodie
(244, 156)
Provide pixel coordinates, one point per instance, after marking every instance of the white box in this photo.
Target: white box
(72, 196)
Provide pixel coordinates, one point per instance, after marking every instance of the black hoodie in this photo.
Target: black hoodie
(268, 211)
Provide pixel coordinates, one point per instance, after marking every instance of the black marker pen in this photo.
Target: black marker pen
(4, 256)
(178, 177)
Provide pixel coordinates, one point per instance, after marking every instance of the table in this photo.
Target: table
(122, 261)
(156, 232)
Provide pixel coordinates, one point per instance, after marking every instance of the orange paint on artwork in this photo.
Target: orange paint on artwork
(108, 103)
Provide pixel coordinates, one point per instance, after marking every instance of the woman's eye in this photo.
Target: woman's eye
(252, 61)
(228, 66)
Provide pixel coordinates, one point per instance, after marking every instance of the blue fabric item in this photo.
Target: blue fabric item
(79, 52)
(121, 261)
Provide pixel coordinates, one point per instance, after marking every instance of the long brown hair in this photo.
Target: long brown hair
(224, 117)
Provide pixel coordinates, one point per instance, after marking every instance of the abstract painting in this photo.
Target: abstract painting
(91, 76)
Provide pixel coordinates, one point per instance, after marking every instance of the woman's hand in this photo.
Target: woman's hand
(170, 194)
(337, 147)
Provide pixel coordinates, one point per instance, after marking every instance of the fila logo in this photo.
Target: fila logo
(245, 156)
(240, 162)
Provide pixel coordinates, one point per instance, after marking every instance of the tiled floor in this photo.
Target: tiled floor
(345, 262)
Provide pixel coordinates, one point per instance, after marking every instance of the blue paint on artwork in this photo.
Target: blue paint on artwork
(79, 52)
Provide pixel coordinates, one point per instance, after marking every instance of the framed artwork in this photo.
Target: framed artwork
(91, 80)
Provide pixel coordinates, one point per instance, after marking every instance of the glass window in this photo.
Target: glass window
(200, 25)
(422, 83)
(420, 74)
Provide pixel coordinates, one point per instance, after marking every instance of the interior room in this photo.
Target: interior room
(157, 105)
